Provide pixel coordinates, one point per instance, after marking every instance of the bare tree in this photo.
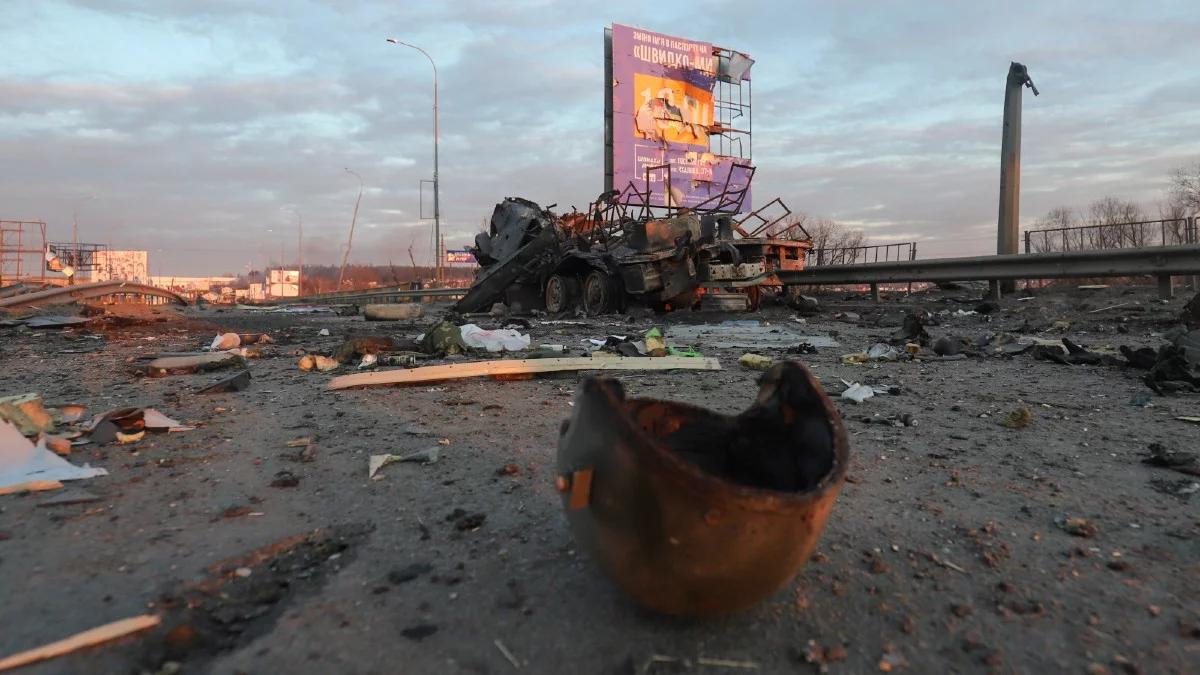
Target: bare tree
(1109, 216)
(1108, 222)
(1174, 214)
(1185, 187)
(833, 243)
(1057, 218)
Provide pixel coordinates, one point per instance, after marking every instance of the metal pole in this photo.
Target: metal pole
(353, 220)
(437, 213)
(300, 255)
(1010, 162)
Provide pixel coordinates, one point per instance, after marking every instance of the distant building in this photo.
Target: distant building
(192, 284)
(283, 283)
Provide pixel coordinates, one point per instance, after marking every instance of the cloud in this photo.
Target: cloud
(195, 122)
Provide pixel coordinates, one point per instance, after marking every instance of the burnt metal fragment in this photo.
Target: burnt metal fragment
(696, 513)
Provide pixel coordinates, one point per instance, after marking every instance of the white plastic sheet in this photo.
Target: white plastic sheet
(22, 462)
(503, 339)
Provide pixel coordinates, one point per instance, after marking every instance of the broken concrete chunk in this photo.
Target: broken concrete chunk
(406, 311)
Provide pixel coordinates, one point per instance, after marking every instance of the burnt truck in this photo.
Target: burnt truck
(611, 256)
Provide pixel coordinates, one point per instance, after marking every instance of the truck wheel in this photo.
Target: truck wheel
(561, 293)
(597, 293)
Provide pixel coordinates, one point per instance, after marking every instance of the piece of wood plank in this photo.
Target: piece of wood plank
(456, 371)
(88, 638)
(30, 486)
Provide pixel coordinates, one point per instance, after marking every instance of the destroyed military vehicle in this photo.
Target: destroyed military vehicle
(606, 259)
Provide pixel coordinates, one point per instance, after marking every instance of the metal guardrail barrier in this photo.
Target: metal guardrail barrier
(851, 255)
(1140, 234)
(381, 295)
(1162, 262)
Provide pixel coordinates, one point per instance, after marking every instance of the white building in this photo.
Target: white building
(283, 283)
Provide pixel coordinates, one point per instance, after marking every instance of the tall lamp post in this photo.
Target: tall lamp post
(353, 219)
(437, 224)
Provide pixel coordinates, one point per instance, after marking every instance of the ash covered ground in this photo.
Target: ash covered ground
(958, 544)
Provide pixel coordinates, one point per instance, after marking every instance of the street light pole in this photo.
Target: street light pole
(300, 255)
(437, 224)
(353, 219)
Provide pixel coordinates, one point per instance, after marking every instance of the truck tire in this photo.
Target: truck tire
(562, 293)
(597, 293)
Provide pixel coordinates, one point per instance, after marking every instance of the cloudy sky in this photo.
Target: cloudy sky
(197, 129)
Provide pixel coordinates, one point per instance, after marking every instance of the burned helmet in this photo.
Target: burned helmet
(695, 513)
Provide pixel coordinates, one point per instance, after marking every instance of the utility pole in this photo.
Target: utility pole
(300, 255)
(1008, 225)
(437, 214)
(353, 219)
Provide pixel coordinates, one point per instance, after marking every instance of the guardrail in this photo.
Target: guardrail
(1161, 262)
(380, 295)
(1140, 234)
(851, 255)
(99, 289)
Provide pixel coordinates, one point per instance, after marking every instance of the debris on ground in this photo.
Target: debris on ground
(948, 346)
(755, 361)
(788, 441)
(377, 462)
(23, 463)
(743, 334)
(364, 345)
(520, 367)
(498, 340)
(858, 393)
(656, 345)
(405, 311)
(27, 413)
(317, 362)
(55, 322)
(882, 352)
(1176, 460)
(190, 363)
(806, 305)
(237, 382)
(1018, 419)
(1076, 527)
(225, 341)
(444, 339)
(464, 521)
(88, 638)
(913, 329)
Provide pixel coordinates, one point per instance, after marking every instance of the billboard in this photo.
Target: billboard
(459, 256)
(663, 112)
(125, 265)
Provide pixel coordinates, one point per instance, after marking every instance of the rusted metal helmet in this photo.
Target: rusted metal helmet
(694, 513)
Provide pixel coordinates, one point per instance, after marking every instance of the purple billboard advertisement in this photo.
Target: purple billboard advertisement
(662, 114)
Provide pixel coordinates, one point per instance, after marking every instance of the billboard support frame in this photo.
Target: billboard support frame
(682, 102)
